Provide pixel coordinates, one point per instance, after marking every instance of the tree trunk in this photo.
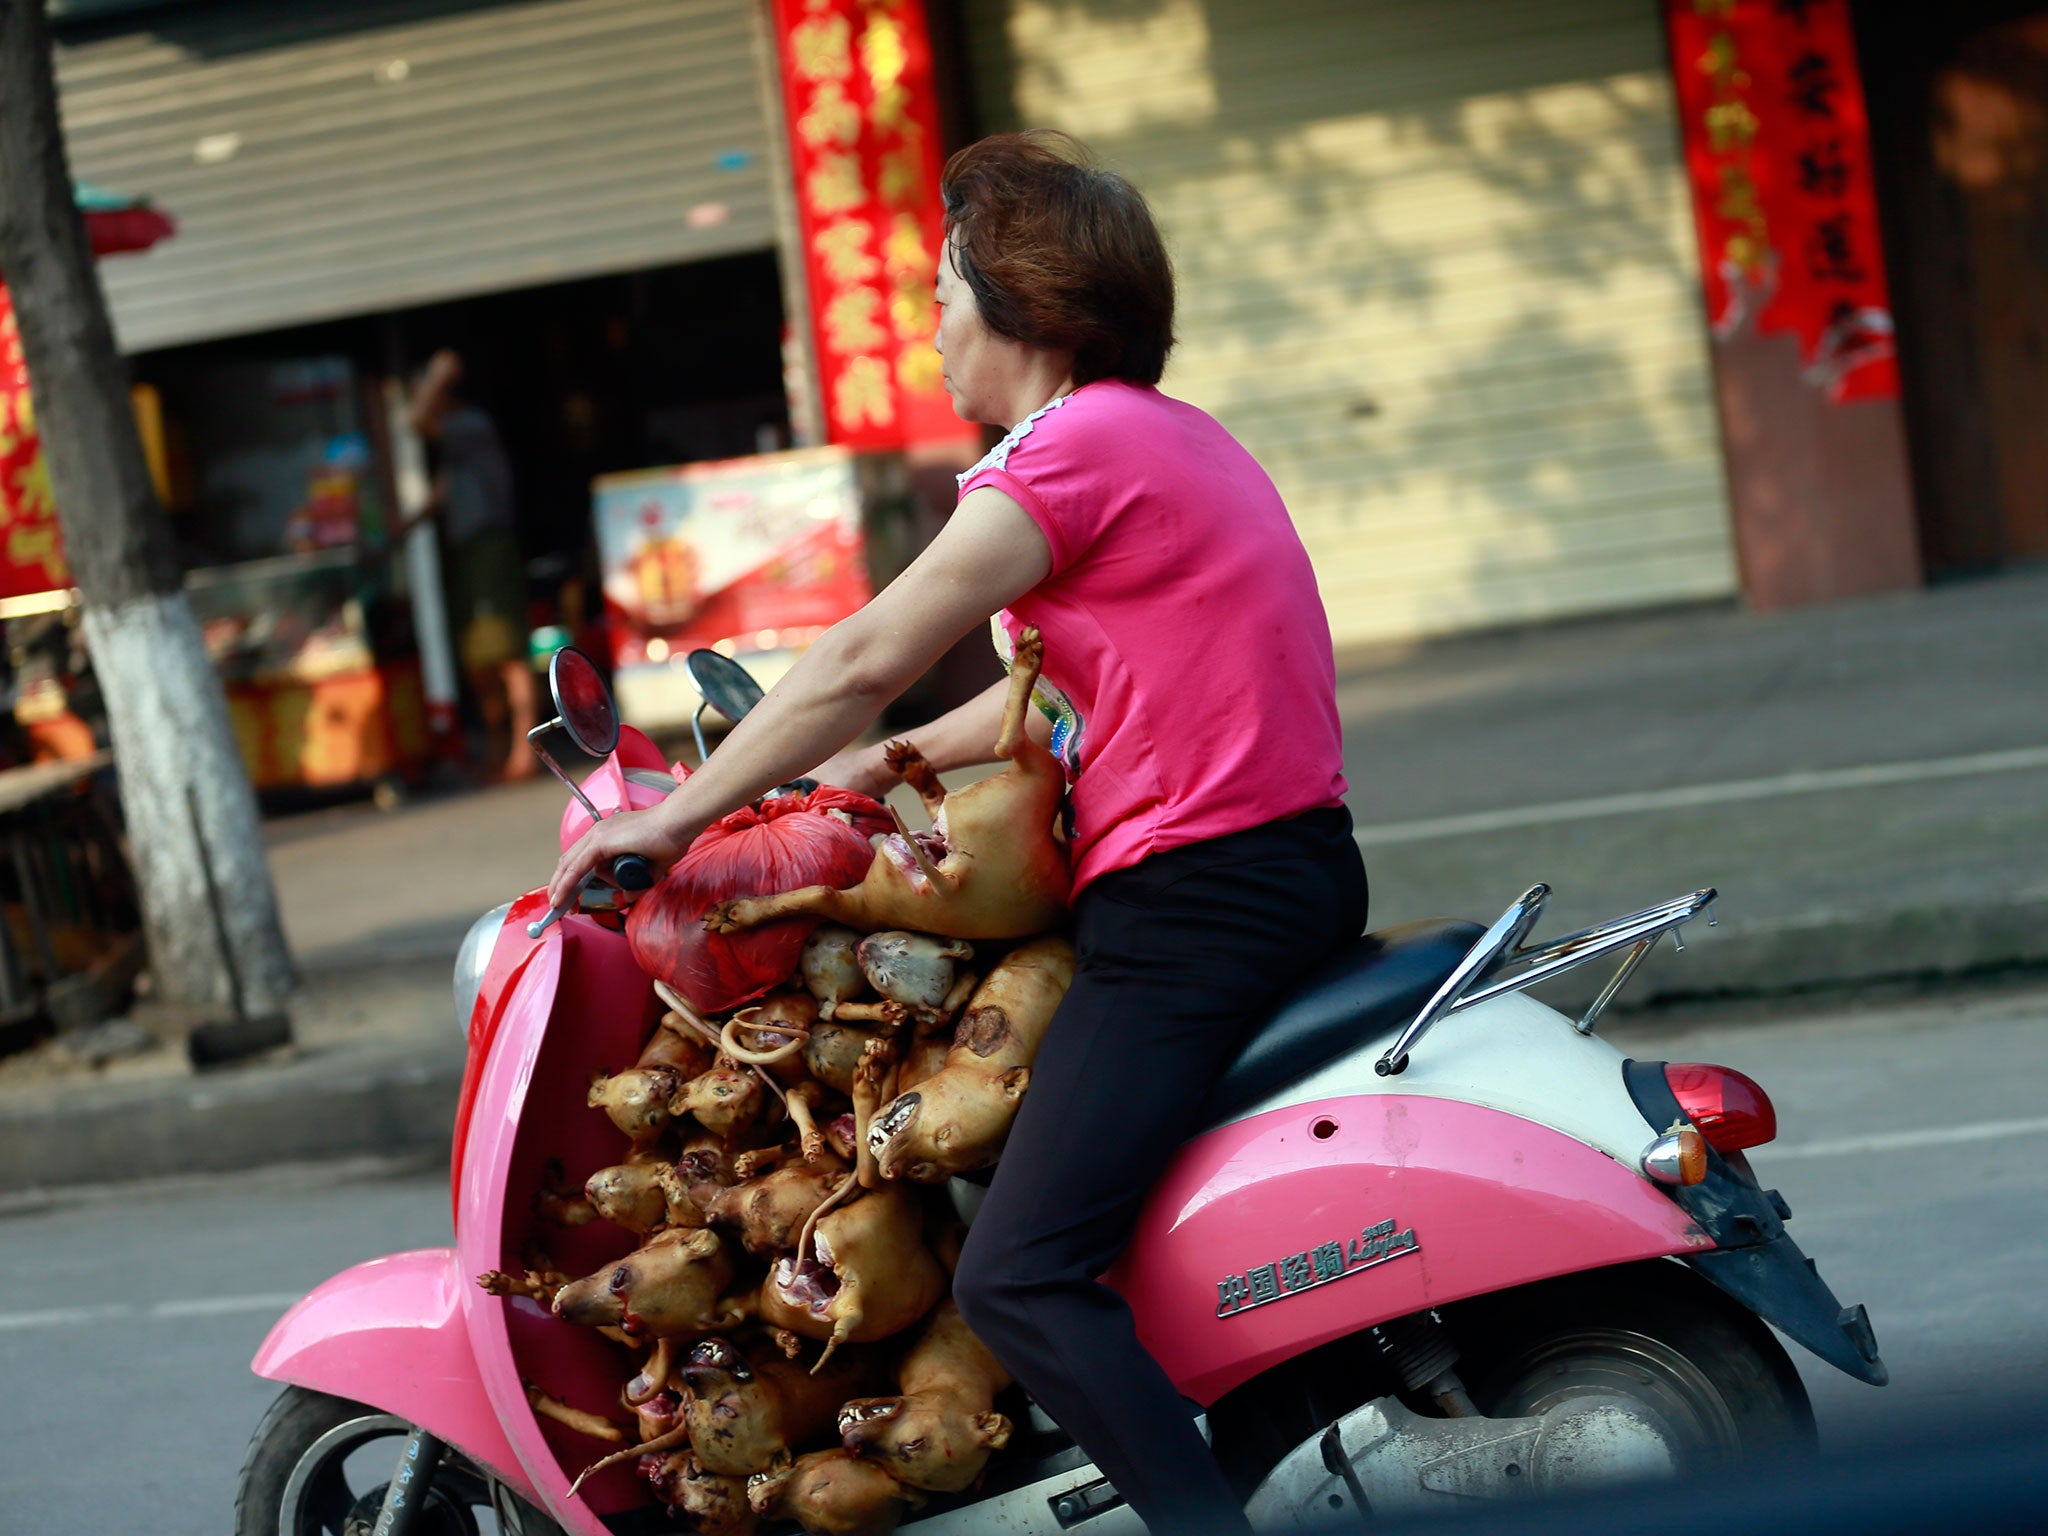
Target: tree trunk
(181, 774)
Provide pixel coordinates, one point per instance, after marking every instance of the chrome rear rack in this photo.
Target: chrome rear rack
(1478, 977)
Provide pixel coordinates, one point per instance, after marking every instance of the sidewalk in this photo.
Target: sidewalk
(1867, 786)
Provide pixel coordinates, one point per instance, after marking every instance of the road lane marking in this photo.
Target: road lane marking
(62, 1317)
(1727, 792)
(272, 1302)
(275, 1302)
(1906, 1141)
(224, 1306)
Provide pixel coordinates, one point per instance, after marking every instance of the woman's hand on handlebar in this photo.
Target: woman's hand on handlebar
(647, 833)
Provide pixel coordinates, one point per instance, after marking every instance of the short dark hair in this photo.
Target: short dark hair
(1061, 254)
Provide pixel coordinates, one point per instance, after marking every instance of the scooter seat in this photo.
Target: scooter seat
(1374, 985)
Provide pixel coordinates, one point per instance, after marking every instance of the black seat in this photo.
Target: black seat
(1377, 983)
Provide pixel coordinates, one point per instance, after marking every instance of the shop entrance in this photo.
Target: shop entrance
(1959, 121)
(277, 465)
(674, 366)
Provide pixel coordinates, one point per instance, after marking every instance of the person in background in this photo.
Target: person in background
(484, 569)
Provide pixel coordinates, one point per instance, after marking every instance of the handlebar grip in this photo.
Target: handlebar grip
(630, 872)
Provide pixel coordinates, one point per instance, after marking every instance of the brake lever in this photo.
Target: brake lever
(594, 896)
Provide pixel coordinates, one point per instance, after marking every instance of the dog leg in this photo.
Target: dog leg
(908, 764)
(838, 906)
(873, 1086)
(595, 1425)
(535, 1285)
(804, 1100)
(1024, 669)
(887, 1011)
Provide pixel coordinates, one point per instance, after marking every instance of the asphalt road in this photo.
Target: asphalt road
(1910, 1149)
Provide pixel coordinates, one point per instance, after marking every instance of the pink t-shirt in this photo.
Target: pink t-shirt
(1187, 658)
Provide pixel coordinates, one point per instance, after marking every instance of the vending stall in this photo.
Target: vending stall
(280, 497)
(753, 557)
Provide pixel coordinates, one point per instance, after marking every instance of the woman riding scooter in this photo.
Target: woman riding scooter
(1156, 559)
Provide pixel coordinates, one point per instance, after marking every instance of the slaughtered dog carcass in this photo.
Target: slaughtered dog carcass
(993, 867)
(672, 1286)
(831, 1493)
(915, 970)
(869, 1273)
(747, 1412)
(957, 1118)
(938, 1433)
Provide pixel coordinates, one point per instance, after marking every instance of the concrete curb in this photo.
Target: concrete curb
(398, 1102)
(393, 1098)
(1823, 951)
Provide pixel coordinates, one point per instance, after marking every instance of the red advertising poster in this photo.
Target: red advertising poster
(31, 552)
(757, 554)
(31, 548)
(1777, 148)
(865, 152)
(748, 556)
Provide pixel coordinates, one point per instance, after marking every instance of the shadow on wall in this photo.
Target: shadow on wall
(1447, 295)
(225, 30)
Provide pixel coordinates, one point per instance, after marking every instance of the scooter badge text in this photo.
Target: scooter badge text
(1305, 1271)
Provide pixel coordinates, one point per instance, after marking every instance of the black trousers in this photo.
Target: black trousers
(1180, 956)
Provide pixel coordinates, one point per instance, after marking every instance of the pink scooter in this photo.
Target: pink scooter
(1436, 1242)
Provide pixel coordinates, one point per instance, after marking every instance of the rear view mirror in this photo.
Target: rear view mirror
(725, 686)
(583, 705)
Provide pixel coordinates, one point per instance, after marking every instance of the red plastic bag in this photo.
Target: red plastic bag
(867, 816)
(783, 845)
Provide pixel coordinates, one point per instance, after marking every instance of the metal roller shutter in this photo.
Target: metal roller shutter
(335, 160)
(1436, 271)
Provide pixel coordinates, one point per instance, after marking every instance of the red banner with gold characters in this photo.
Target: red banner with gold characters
(31, 551)
(864, 140)
(1777, 148)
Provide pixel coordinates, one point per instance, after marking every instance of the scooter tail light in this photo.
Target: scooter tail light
(1731, 1111)
(1679, 1156)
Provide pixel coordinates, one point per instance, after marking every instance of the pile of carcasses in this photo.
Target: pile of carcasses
(795, 1351)
(794, 1246)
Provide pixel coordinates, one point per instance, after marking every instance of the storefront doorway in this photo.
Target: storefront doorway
(1959, 122)
(279, 467)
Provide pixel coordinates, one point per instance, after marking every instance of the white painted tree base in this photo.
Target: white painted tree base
(176, 755)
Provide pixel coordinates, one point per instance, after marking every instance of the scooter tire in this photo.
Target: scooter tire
(293, 1430)
(1654, 1331)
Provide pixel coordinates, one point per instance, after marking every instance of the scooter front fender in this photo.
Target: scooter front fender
(391, 1334)
(1280, 1232)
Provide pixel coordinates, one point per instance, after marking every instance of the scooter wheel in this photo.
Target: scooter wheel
(1704, 1369)
(320, 1464)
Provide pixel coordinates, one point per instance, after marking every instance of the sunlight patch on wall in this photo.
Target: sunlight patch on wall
(1062, 48)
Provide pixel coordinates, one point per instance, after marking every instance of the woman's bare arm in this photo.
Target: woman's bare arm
(989, 554)
(960, 738)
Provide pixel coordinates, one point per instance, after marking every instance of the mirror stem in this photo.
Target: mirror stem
(697, 730)
(533, 740)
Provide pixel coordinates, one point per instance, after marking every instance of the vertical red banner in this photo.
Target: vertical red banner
(31, 548)
(864, 140)
(1777, 149)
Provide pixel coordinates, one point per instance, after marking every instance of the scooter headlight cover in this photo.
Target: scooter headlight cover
(471, 959)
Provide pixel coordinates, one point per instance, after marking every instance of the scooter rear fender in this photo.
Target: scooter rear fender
(390, 1333)
(1276, 1233)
